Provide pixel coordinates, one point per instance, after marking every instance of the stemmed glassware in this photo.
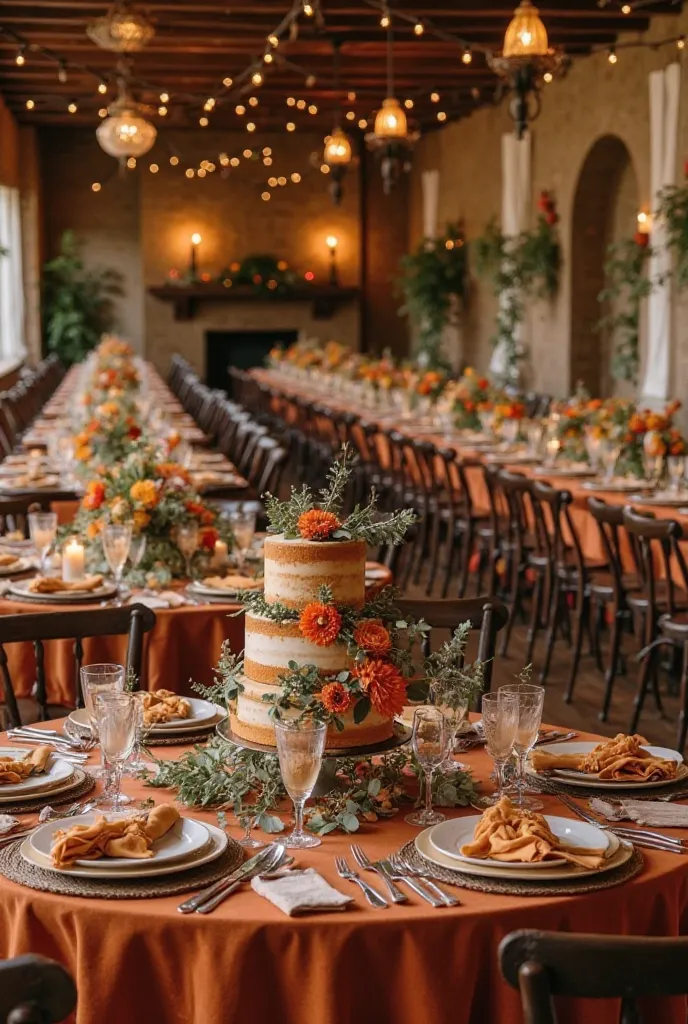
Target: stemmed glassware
(652, 467)
(430, 741)
(300, 746)
(243, 529)
(137, 763)
(530, 701)
(98, 681)
(116, 538)
(42, 531)
(609, 456)
(137, 549)
(500, 724)
(245, 817)
(187, 538)
(676, 465)
(117, 730)
(509, 432)
(535, 436)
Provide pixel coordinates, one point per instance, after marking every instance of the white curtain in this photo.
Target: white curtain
(11, 282)
(665, 88)
(430, 184)
(515, 206)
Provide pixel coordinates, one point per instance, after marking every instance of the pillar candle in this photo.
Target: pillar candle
(73, 561)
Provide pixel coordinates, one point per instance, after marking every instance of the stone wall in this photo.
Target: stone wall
(595, 100)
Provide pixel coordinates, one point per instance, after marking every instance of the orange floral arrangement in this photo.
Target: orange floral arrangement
(384, 684)
(335, 698)
(320, 623)
(316, 524)
(372, 637)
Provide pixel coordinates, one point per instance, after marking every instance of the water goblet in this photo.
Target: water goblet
(117, 730)
(500, 723)
(246, 816)
(42, 531)
(137, 549)
(136, 762)
(243, 529)
(609, 455)
(535, 435)
(676, 465)
(652, 467)
(187, 538)
(300, 746)
(509, 432)
(116, 540)
(430, 739)
(530, 700)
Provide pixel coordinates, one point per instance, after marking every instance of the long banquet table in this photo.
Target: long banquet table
(140, 961)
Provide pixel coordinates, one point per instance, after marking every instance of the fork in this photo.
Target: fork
(364, 862)
(372, 895)
(400, 864)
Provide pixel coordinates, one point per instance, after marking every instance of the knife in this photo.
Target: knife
(269, 865)
(238, 875)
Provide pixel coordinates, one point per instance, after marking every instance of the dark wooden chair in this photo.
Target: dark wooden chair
(35, 990)
(546, 964)
(132, 621)
(486, 615)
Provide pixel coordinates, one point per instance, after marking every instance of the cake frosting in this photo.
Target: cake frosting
(295, 569)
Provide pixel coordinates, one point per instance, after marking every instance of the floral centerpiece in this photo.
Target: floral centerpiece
(156, 496)
(469, 396)
(111, 372)
(107, 437)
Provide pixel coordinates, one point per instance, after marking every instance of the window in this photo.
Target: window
(11, 283)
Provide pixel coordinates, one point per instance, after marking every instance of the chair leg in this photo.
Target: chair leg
(683, 710)
(513, 605)
(552, 623)
(466, 559)
(610, 675)
(434, 554)
(582, 614)
(453, 545)
(535, 616)
(644, 675)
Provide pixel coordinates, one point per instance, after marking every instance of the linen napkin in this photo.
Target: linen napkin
(126, 837)
(14, 770)
(233, 583)
(7, 823)
(54, 585)
(644, 812)
(505, 833)
(623, 757)
(301, 892)
(165, 599)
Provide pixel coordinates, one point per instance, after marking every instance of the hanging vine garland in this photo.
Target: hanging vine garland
(626, 285)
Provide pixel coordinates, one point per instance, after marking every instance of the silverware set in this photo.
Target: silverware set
(266, 860)
(391, 870)
(47, 813)
(75, 751)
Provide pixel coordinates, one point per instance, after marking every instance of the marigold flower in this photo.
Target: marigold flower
(373, 637)
(94, 529)
(83, 453)
(335, 697)
(141, 519)
(145, 493)
(95, 495)
(384, 684)
(317, 524)
(320, 623)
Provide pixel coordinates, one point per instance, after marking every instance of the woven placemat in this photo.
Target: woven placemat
(171, 740)
(503, 887)
(677, 792)
(14, 867)
(67, 796)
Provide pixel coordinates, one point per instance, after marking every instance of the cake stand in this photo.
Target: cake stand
(327, 779)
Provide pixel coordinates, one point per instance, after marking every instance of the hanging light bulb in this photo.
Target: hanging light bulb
(257, 78)
(20, 59)
(125, 132)
(337, 150)
(121, 29)
(467, 56)
(526, 35)
(418, 28)
(102, 88)
(390, 136)
(390, 120)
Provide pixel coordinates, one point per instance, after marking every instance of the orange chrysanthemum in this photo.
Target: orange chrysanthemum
(317, 525)
(384, 684)
(373, 638)
(320, 623)
(335, 698)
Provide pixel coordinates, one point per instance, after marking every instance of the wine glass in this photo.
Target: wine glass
(500, 723)
(530, 701)
(42, 531)
(676, 464)
(535, 435)
(300, 745)
(117, 729)
(137, 549)
(509, 432)
(116, 538)
(246, 816)
(137, 763)
(609, 455)
(243, 529)
(187, 538)
(429, 740)
(97, 680)
(652, 467)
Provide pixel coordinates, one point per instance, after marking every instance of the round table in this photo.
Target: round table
(140, 961)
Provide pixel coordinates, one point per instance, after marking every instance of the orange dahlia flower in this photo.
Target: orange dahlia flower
(145, 492)
(373, 637)
(384, 684)
(320, 623)
(317, 525)
(335, 697)
(95, 495)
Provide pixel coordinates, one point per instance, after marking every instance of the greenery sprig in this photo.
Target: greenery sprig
(627, 284)
(451, 683)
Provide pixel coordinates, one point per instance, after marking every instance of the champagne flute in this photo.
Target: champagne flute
(652, 467)
(96, 681)
(117, 730)
(530, 700)
(187, 538)
(500, 722)
(116, 538)
(430, 739)
(610, 456)
(676, 464)
(42, 531)
(300, 746)
(137, 549)
(243, 530)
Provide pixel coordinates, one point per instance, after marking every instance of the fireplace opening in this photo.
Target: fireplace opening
(244, 349)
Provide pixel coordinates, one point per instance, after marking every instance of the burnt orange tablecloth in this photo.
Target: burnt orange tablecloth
(139, 961)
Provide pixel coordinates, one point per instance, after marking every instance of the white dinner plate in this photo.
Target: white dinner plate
(56, 770)
(208, 458)
(672, 498)
(449, 836)
(202, 711)
(73, 782)
(574, 778)
(182, 841)
(619, 485)
(6, 543)
(48, 483)
(617, 854)
(20, 588)
(21, 565)
(574, 469)
(201, 589)
(149, 868)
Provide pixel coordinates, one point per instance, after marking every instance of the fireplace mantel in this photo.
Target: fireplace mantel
(187, 298)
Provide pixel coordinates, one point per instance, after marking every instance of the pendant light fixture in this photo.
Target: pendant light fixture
(125, 132)
(122, 29)
(337, 151)
(525, 63)
(390, 137)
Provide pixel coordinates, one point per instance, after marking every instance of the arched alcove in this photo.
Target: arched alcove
(604, 210)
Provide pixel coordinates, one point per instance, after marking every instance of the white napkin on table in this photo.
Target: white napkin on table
(7, 823)
(658, 813)
(165, 599)
(301, 892)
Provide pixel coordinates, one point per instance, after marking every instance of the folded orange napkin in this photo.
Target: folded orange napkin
(161, 706)
(54, 585)
(505, 833)
(620, 758)
(129, 837)
(13, 771)
(7, 560)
